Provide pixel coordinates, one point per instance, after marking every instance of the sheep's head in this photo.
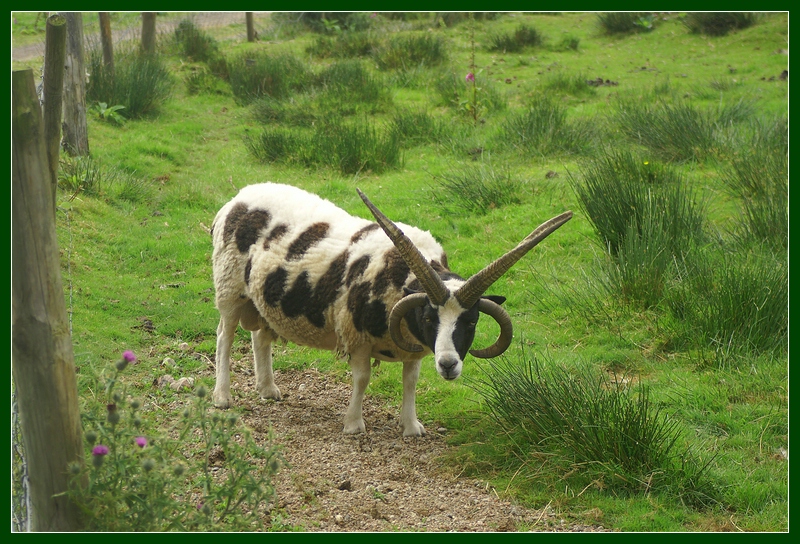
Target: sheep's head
(446, 308)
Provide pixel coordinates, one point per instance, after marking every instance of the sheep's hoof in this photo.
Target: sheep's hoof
(222, 401)
(354, 427)
(415, 429)
(271, 394)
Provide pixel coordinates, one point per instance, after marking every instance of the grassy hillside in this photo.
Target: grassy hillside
(666, 294)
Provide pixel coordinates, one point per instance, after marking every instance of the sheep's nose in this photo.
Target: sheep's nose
(448, 367)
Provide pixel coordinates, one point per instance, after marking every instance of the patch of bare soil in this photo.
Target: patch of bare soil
(376, 481)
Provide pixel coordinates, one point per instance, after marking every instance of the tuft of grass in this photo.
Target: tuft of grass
(349, 147)
(613, 431)
(759, 177)
(141, 83)
(297, 111)
(194, 44)
(514, 42)
(680, 132)
(621, 22)
(344, 45)
(413, 127)
(719, 23)
(347, 87)
(410, 50)
(543, 129)
(733, 302)
(259, 73)
(477, 189)
(90, 176)
(619, 190)
(574, 84)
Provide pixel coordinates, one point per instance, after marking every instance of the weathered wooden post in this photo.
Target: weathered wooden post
(251, 30)
(42, 362)
(54, 55)
(106, 41)
(75, 133)
(148, 32)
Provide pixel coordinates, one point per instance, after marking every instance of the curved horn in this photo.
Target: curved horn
(506, 329)
(427, 276)
(469, 293)
(403, 306)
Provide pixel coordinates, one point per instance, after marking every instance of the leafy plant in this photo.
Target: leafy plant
(142, 481)
(108, 113)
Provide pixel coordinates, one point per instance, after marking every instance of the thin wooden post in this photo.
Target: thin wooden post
(55, 47)
(42, 362)
(148, 32)
(75, 131)
(106, 41)
(251, 31)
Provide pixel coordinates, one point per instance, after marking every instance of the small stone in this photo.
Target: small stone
(338, 518)
(168, 362)
(165, 380)
(184, 346)
(346, 485)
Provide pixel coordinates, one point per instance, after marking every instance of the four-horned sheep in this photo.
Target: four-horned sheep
(288, 264)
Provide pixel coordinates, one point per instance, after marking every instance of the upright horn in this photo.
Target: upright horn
(469, 293)
(427, 276)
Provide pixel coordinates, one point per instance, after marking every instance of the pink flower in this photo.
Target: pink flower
(140, 441)
(470, 77)
(129, 356)
(100, 450)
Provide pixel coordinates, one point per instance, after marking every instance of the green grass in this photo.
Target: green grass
(704, 331)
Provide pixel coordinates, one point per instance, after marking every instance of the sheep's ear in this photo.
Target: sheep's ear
(497, 299)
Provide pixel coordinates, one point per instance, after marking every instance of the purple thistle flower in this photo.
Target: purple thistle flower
(129, 356)
(470, 77)
(140, 441)
(100, 450)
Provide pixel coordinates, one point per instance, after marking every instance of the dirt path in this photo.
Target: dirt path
(200, 19)
(377, 481)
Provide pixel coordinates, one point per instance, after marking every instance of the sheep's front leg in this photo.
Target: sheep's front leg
(225, 333)
(359, 365)
(408, 413)
(262, 354)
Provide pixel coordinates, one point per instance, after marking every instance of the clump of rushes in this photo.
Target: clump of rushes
(616, 434)
(140, 480)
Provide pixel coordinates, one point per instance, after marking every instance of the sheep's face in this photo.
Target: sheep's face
(448, 330)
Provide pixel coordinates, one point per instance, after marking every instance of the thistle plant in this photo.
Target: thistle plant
(472, 105)
(206, 473)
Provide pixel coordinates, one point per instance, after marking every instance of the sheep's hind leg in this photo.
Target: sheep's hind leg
(225, 334)
(359, 364)
(408, 413)
(262, 353)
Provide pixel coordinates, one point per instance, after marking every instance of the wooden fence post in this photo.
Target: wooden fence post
(42, 362)
(54, 57)
(106, 41)
(251, 31)
(148, 31)
(75, 132)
